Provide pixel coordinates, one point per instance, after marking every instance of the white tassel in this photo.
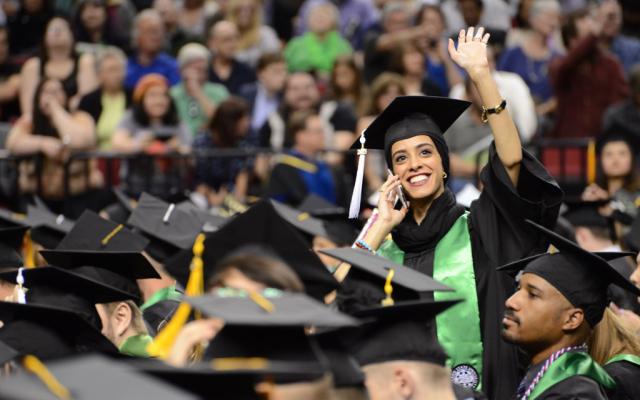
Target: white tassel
(22, 298)
(354, 208)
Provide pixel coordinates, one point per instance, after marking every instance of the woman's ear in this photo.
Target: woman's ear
(122, 317)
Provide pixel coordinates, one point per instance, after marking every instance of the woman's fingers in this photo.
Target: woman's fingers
(479, 33)
(485, 38)
(470, 32)
(462, 36)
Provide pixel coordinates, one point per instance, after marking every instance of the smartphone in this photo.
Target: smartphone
(399, 193)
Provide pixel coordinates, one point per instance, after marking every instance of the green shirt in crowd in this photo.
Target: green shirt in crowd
(189, 109)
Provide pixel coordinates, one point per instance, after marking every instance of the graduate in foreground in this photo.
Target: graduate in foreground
(435, 236)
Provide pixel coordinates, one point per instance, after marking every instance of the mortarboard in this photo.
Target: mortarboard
(168, 228)
(581, 276)
(320, 207)
(585, 213)
(343, 366)
(92, 377)
(261, 225)
(11, 247)
(211, 222)
(403, 331)
(404, 118)
(10, 219)
(47, 228)
(7, 353)
(372, 273)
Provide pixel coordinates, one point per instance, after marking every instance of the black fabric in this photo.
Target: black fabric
(574, 388)
(28, 337)
(623, 299)
(64, 300)
(627, 376)
(414, 238)
(241, 74)
(156, 316)
(91, 103)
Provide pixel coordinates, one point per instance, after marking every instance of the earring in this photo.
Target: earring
(444, 175)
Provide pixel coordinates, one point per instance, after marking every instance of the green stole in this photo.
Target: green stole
(633, 359)
(136, 346)
(458, 328)
(168, 293)
(572, 364)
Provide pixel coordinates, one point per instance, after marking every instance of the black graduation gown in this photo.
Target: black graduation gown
(627, 377)
(499, 235)
(157, 315)
(574, 388)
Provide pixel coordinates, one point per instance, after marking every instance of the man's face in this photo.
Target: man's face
(273, 76)
(470, 12)
(396, 21)
(535, 314)
(150, 35)
(313, 137)
(224, 39)
(610, 13)
(301, 92)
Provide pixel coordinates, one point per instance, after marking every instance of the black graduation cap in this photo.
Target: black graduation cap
(92, 377)
(585, 213)
(11, 247)
(301, 220)
(581, 276)
(261, 225)
(404, 331)
(404, 118)
(343, 366)
(168, 228)
(632, 239)
(47, 228)
(211, 222)
(7, 353)
(369, 271)
(10, 219)
(127, 203)
(321, 208)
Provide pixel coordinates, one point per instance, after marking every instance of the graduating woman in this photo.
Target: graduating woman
(434, 235)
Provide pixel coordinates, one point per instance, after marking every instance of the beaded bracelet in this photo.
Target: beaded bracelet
(363, 245)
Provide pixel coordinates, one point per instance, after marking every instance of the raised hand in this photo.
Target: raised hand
(471, 54)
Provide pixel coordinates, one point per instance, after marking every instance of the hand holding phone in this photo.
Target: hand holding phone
(399, 193)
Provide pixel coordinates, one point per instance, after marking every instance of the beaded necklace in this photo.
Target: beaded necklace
(547, 364)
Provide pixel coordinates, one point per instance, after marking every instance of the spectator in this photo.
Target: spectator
(617, 179)
(396, 29)
(264, 95)
(54, 131)
(92, 29)
(356, 18)
(317, 49)
(625, 48)
(193, 16)
(408, 61)
(300, 172)
(217, 177)
(148, 57)
(624, 118)
(345, 83)
(225, 69)
(515, 91)
(586, 81)
(175, 36)
(152, 125)
(440, 68)
(9, 81)
(58, 61)
(531, 59)
(301, 93)
(492, 14)
(196, 99)
(384, 89)
(256, 38)
(27, 27)
(108, 103)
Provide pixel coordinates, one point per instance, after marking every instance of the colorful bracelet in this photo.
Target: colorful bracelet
(363, 245)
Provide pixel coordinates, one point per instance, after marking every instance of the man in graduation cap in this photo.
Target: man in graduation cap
(560, 299)
(434, 235)
(11, 240)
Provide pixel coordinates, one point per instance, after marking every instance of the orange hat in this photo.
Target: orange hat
(145, 83)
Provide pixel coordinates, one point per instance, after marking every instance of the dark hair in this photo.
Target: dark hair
(298, 122)
(380, 85)
(80, 32)
(41, 123)
(631, 180)
(44, 54)
(569, 28)
(397, 56)
(225, 120)
(431, 7)
(140, 114)
(260, 265)
(267, 59)
(337, 93)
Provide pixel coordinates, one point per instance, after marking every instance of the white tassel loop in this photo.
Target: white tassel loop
(354, 207)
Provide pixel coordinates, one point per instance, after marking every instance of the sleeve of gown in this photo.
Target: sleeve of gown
(575, 388)
(285, 185)
(498, 215)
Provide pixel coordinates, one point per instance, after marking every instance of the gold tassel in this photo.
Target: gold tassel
(29, 251)
(235, 363)
(388, 289)
(591, 161)
(161, 345)
(261, 301)
(36, 367)
(111, 234)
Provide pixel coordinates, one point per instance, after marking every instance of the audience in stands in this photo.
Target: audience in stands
(93, 29)
(58, 60)
(492, 14)
(408, 61)
(193, 17)
(624, 118)
(318, 48)
(109, 102)
(148, 56)
(27, 26)
(9, 81)
(225, 69)
(174, 36)
(255, 38)
(586, 80)
(229, 128)
(345, 83)
(196, 99)
(625, 48)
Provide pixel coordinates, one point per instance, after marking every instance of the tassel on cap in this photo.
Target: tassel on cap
(162, 344)
(591, 161)
(22, 297)
(388, 289)
(354, 207)
(36, 367)
(29, 251)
